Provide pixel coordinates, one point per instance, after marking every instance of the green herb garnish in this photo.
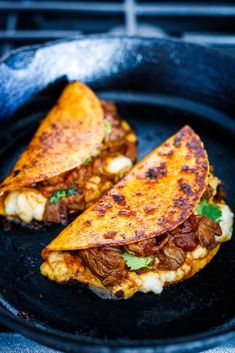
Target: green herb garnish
(107, 127)
(60, 194)
(209, 210)
(89, 159)
(135, 262)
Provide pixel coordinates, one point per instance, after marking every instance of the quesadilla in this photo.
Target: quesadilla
(79, 151)
(162, 223)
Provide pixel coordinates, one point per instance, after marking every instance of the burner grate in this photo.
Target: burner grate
(26, 22)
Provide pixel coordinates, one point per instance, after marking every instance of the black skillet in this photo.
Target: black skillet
(158, 85)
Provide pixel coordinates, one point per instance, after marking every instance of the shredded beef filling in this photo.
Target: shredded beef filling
(91, 179)
(106, 263)
(148, 247)
(185, 236)
(220, 194)
(218, 197)
(170, 249)
(208, 193)
(170, 257)
(207, 230)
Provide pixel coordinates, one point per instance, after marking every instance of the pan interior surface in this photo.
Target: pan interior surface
(203, 302)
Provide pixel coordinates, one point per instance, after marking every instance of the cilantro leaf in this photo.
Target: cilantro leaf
(107, 127)
(61, 193)
(209, 210)
(135, 262)
(89, 159)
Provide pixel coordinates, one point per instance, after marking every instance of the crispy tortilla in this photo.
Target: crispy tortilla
(69, 134)
(157, 195)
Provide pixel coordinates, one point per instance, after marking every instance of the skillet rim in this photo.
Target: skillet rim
(202, 340)
(96, 37)
(197, 341)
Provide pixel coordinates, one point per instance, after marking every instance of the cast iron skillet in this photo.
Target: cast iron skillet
(158, 85)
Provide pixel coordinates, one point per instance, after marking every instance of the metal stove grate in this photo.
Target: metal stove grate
(26, 21)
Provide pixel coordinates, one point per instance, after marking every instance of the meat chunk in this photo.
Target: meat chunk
(74, 203)
(185, 236)
(208, 193)
(207, 230)
(56, 213)
(170, 257)
(148, 247)
(106, 263)
(220, 193)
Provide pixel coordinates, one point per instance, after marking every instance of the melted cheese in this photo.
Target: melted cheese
(214, 182)
(151, 282)
(117, 165)
(26, 204)
(60, 266)
(226, 221)
(226, 224)
(199, 253)
(155, 281)
(64, 266)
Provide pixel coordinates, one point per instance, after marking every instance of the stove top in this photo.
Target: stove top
(26, 22)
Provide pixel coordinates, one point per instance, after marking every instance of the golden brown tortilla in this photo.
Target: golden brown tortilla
(157, 195)
(70, 133)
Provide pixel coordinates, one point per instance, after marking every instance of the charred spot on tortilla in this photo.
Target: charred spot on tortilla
(187, 168)
(149, 209)
(110, 234)
(185, 187)
(177, 141)
(166, 153)
(126, 213)
(109, 205)
(16, 172)
(162, 220)
(87, 223)
(138, 193)
(193, 146)
(155, 172)
(119, 199)
(100, 211)
(79, 151)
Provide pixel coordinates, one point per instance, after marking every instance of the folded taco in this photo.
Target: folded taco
(162, 223)
(79, 151)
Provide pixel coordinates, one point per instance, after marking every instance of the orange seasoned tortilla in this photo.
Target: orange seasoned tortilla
(68, 135)
(157, 195)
